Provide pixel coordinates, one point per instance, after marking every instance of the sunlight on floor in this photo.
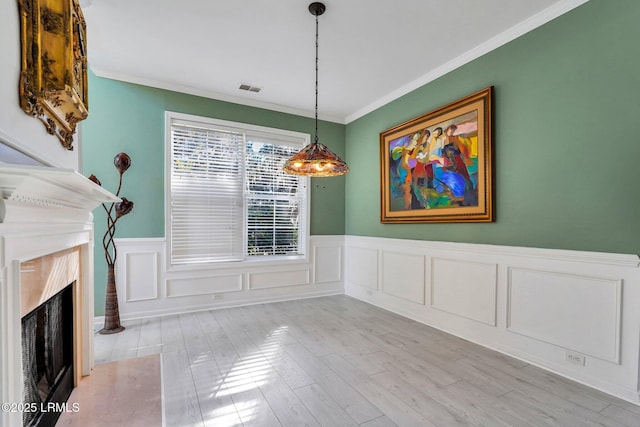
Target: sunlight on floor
(225, 416)
(247, 374)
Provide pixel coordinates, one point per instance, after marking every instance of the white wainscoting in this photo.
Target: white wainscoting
(137, 265)
(146, 287)
(403, 275)
(581, 313)
(574, 313)
(363, 267)
(464, 288)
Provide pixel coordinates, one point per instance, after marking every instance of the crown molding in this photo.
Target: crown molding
(503, 38)
(189, 90)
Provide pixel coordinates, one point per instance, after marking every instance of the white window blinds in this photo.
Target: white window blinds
(228, 196)
(206, 195)
(274, 201)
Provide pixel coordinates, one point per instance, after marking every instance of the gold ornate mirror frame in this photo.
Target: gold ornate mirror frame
(53, 77)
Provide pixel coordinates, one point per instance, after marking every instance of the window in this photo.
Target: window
(228, 199)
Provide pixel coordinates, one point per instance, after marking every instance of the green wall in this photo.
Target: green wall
(129, 118)
(567, 108)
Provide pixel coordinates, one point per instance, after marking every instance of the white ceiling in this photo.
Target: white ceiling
(370, 51)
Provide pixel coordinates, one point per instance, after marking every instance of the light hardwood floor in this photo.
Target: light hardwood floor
(336, 361)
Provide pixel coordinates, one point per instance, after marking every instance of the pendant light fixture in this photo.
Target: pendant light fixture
(316, 159)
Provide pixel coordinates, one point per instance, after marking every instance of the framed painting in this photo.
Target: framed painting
(438, 167)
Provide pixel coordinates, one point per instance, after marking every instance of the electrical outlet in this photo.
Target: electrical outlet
(575, 358)
(217, 297)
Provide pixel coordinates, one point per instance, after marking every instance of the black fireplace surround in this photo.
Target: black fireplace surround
(47, 359)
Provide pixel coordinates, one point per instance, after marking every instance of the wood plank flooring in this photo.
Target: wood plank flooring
(336, 361)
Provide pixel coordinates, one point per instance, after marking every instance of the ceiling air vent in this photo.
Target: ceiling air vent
(250, 88)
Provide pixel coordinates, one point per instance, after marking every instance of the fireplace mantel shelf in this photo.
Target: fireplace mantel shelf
(47, 187)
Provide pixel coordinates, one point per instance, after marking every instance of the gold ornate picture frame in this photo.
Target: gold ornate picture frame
(438, 167)
(53, 76)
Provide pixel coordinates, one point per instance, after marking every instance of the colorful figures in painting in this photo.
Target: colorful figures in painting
(433, 168)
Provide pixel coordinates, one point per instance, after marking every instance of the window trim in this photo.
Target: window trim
(304, 138)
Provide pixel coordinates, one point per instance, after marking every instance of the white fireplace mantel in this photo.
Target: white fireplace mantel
(45, 187)
(43, 210)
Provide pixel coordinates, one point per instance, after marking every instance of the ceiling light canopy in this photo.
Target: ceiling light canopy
(316, 160)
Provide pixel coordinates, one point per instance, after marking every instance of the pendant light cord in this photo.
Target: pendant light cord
(316, 135)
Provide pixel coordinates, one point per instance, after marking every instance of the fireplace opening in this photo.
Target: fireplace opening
(47, 358)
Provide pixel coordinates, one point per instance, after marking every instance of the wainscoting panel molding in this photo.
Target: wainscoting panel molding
(464, 288)
(326, 258)
(209, 285)
(362, 269)
(580, 313)
(277, 279)
(148, 287)
(137, 265)
(571, 312)
(403, 275)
